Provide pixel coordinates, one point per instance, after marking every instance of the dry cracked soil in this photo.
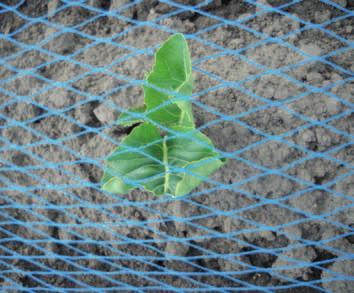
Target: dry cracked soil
(283, 216)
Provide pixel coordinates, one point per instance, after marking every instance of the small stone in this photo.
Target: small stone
(322, 16)
(162, 8)
(116, 4)
(105, 114)
(311, 49)
(152, 15)
(308, 136)
(52, 7)
(235, 43)
(176, 249)
(314, 77)
(267, 235)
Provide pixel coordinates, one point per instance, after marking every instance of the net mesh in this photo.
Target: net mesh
(274, 91)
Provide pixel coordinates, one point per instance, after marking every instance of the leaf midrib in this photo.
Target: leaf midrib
(165, 162)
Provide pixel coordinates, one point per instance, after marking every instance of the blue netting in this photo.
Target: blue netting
(237, 232)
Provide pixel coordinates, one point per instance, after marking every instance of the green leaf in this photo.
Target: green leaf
(114, 184)
(134, 165)
(180, 160)
(147, 159)
(127, 119)
(173, 72)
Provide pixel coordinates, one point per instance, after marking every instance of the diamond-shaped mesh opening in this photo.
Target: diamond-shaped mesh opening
(271, 215)
(319, 139)
(272, 186)
(317, 74)
(102, 54)
(274, 87)
(72, 15)
(237, 101)
(18, 136)
(345, 153)
(44, 151)
(35, 8)
(223, 67)
(19, 158)
(16, 178)
(54, 71)
(262, 53)
(230, 37)
(227, 200)
(235, 173)
(7, 48)
(273, 121)
(105, 26)
(273, 90)
(84, 114)
(344, 59)
(55, 127)
(342, 27)
(187, 22)
(344, 91)
(239, 136)
(24, 85)
(322, 106)
(199, 49)
(344, 185)
(22, 111)
(142, 37)
(6, 73)
(272, 155)
(321, 44)
(99, 83)
(318, 171)
(10, 22)
(127, 65)
(142, 10)
(204, 81)
(323, 12)
(229, 11)
(318, 202)
(58, 97)
(66, 44)
(280, 24)
(30, 59)
(35, 33)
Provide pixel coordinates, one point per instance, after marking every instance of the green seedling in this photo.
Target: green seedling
(164, 153)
